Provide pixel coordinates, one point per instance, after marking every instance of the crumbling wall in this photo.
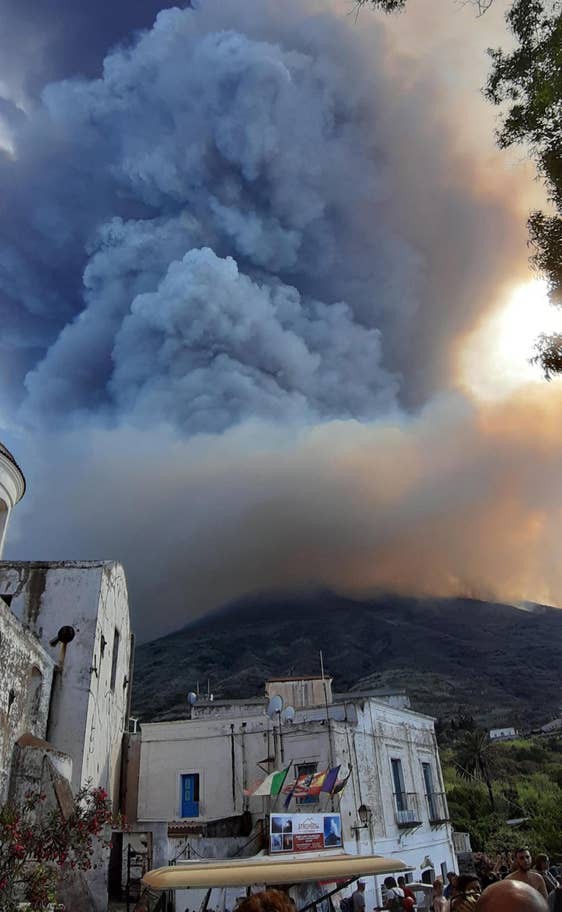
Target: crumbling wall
(26, 674)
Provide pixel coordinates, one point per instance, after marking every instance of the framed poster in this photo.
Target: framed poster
(304, 832)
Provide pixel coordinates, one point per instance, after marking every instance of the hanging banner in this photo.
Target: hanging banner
(304, 832)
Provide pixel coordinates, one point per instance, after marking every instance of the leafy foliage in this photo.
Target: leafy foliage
(529, 80)
(39, 845)
(526, 782)
(474, 759)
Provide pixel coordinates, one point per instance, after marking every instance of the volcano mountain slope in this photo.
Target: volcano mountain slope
(499, 663)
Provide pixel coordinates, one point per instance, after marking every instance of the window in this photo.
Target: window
(114, 657)
(189, 795)
(398, 781)
(430, 791)
(306, 769)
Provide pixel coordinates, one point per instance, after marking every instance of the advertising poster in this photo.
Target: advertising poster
(304, 832)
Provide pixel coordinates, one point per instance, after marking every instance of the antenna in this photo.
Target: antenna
(288, 714)
(192, 698)
(322, 664)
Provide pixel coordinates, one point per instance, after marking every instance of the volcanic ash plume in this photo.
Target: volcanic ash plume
(225, 264)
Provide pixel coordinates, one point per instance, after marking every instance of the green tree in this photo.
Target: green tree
(474, 760)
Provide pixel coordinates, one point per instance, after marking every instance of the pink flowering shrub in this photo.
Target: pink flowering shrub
(39, 845)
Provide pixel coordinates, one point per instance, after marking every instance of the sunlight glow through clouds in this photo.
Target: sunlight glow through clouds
(495, 357)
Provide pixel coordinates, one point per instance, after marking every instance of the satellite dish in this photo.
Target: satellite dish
(192, 698)
(274, 706)
(288, 714)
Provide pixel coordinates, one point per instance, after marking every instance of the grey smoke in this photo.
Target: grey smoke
(255, 227)
(228, 128)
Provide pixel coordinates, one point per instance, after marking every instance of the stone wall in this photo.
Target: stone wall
(26, 674)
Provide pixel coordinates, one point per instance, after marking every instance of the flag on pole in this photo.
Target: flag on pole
(341, 784)
(272, 784)
(330, 780)
(307, 785)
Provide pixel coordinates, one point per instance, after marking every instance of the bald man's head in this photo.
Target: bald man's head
(511, 896)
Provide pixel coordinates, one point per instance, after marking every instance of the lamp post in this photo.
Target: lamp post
(364, 813)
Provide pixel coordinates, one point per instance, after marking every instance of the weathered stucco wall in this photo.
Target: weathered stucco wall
(26, 673)
(109, 685)
(89, 705)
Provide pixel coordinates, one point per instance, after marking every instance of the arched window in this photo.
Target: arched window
(34, 695)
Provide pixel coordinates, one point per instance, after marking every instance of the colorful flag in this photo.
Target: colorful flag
(331, 780)
(272, 784)
(313, 785)
(307, 785)
(339, 786)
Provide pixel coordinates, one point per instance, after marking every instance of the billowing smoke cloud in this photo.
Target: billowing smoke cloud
(257, 143)
(229, 266)
(459, 500)
(264, 134)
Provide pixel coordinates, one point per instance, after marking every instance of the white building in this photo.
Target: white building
(12, 489)
(187, 778)
(78, 612)
(65, 662)
(502, 734)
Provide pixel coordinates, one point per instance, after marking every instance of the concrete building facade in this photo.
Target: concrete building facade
(78, 612)
(393, 804)
(65, 674)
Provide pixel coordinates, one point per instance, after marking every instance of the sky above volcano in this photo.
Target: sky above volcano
(266, 306)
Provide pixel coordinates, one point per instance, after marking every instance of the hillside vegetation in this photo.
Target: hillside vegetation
(496, 662)
(525, 779)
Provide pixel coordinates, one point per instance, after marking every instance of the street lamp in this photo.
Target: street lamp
(364, 813)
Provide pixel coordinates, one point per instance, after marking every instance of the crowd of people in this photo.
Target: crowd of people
(541, 890)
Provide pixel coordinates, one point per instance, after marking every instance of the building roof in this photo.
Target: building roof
(279, 678)
(4, 451)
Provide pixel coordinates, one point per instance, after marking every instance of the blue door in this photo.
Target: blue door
(190, 795)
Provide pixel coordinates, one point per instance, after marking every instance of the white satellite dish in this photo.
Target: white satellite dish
(288, 714)
(274, 706)
(192, 698)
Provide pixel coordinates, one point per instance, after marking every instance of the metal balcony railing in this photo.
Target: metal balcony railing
(407, 812)
(437, 807)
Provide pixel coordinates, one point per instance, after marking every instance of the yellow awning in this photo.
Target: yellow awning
(268, 869)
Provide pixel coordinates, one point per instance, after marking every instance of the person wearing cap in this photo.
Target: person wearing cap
(358, 897)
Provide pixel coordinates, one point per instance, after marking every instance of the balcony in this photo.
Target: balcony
(406, 810)
(437, 807)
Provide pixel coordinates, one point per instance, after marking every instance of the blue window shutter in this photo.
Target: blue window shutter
(190, 795)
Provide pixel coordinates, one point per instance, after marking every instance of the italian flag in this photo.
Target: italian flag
(272, 784)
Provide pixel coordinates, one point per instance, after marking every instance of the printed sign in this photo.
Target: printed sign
(304, 832)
